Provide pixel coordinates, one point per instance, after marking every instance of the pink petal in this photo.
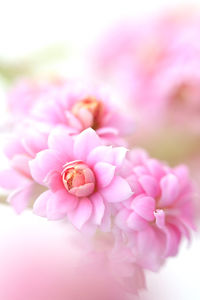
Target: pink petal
(122, 121)
(73, 121)
(181, 226)
(98, 208)
(60, 141)
(173, 240)
(104, 173)
(138, 156)
(46, 161)
(100, 153)
(144, 206)
(135, 185)
(187, 213)
(21, 164)
(11, 179)
(59, 204)
(106, 221)
(155, 168)
(119, 154)
(136, 222)
(80, 215)
(20, 198)
(121, 218)
(107, 131)
(85, 142)
(86, 117)
(40, 205)
(140, 171)
(119, 190)
(182, 174)
(13, 147)
(160, 218)
(169, 190)
(83, 190)
(54, 181)
(150, 185)
(151, 246)
(48, 110)
(34, 141)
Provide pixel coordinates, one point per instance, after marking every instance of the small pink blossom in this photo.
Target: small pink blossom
(160, 211)
(154, 64)
(25, 93)
(79, 108)
(119, 262)
(82, 177)
(78, 179)
(27, 139)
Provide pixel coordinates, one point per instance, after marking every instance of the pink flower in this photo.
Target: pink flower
(26, 93)
(79, 108)
(28, 139)
(115, 259)
(52, 262)
(160, 211)
(155, 66)
(82, 177)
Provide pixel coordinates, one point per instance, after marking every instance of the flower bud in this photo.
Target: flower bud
(78, 179)
(89, 111)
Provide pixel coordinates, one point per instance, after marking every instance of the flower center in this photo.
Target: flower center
(78, 179)
(94, 113)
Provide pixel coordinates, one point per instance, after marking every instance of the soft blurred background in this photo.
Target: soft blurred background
(44, 39)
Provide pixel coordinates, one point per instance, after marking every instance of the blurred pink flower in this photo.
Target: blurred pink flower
(155, 65)
(26, 93)
(119, 262)
(52, 262)
(77, 107)
(159, 213)
(82, 176)
(27, 139)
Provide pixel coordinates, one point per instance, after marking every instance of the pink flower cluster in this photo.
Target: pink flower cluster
(67, 155)
(155, 63)
(159, 212)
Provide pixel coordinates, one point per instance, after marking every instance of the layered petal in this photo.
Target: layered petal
(60, 204)
(136, 222)
(150, 185)
(100, 153)
(40, 205)
(169, 190)
(104, 173)
(118, 190)
(60, 141)
(46, 161)
(85, 142)
(98, 208)
(144, 206)
(81, 214)
(21, 197)
(11, 179)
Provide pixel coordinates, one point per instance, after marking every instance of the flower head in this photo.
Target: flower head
(160, 211)
(89, 111)
(82, 176)
(78, 108)
(27, 139)
(155, 65)
(25, 94)
(78, 179)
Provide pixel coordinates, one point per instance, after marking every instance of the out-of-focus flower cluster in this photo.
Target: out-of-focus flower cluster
(68, 157)
(155, 64)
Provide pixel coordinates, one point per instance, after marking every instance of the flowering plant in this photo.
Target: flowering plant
(69, 156)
